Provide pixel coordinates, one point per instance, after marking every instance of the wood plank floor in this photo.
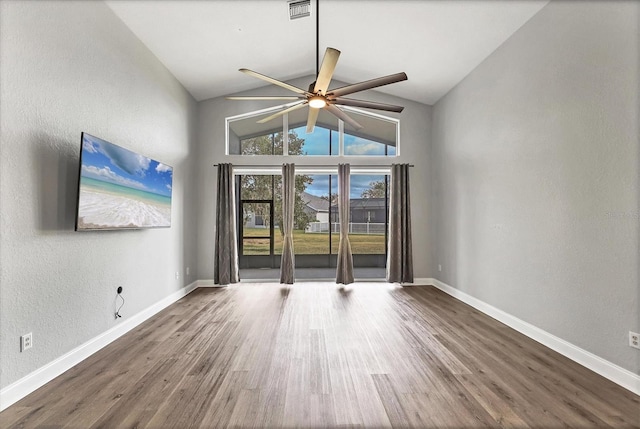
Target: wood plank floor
(317, 355)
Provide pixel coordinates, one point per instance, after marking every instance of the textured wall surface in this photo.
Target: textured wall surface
(535, 177)
(68, 67)
(415, 131)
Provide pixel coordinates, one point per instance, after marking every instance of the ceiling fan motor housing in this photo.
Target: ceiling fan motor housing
(317, 101)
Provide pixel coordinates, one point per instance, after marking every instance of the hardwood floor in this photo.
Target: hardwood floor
(316, 355)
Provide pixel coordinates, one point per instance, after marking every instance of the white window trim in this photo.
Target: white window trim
(307, 169)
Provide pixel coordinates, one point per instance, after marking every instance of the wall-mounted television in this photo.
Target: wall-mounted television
(121, 189)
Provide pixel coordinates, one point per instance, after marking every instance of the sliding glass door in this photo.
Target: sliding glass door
(368, 220)
(316, 224)
(313, 239)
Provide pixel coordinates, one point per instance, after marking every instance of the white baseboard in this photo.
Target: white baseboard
(29, 383)
(609, 370)
(420, 281)
(211, 283)
(207, 283)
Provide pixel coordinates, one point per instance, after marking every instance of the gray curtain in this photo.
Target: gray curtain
(400, 257)
(225, 268)
(287, 262)
(344, 273)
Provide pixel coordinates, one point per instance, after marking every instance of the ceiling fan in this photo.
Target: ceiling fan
(319, 96)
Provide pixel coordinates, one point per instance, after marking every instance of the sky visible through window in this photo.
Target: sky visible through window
(317, 143)
(360, 146)
(359, 183)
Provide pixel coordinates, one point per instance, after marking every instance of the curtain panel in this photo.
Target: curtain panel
(225, 269)
(287, 263)
(400, 257)
(344, 272)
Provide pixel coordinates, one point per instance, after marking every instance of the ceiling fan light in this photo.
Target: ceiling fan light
(317, 102)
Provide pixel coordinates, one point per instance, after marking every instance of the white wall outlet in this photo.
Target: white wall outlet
(177, 275)
(634, 340)
(439, 267)
(188, 273)
(26, 341)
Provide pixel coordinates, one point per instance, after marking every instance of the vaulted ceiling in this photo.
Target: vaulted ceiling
(437, 43)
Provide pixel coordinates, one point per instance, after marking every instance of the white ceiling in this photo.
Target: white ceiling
(437, 43)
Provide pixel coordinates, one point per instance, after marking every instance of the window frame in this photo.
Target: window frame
(341, 132)
(249, 260)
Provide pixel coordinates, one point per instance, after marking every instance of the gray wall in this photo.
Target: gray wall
(535, 177)
(415, 131)
(69, 67)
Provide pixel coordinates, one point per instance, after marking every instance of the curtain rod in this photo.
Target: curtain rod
(309, 166)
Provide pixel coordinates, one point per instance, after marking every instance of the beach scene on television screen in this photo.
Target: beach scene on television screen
(122, 189)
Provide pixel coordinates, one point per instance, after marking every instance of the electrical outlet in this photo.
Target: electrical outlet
(188, 271)
(634, 340)
(26, 341)
(439, 267)
(177, 275)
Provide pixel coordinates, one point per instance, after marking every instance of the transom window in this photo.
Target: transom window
(331, 137)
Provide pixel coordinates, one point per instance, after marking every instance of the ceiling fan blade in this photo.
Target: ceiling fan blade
(326, 70)
(368, 104)
(335, 111)
(265, 97)
(275, 82)
(368, 84)
(312, 118)
(282, 112)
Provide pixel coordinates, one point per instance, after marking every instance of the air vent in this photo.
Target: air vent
(299, 9)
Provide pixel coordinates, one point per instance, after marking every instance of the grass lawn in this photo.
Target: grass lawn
(311, 244)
